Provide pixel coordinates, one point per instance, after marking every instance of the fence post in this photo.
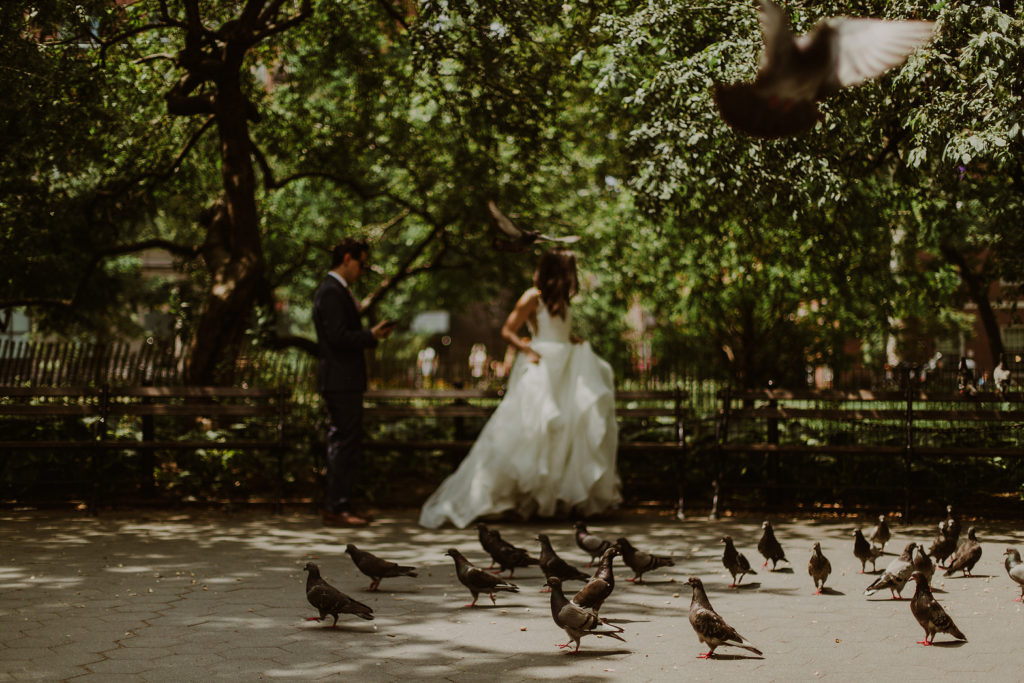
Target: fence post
(908, 443)
(147, 454)
(721, 434)
(680, 459)
(772, 459)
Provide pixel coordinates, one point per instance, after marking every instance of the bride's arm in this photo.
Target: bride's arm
(525, 308)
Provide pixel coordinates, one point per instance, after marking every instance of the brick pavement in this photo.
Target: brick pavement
(165, 596)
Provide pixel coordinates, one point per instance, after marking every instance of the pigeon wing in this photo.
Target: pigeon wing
(867, 48)
(778, 39)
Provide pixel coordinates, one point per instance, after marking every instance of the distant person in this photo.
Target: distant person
(342, 379)
(550, 446)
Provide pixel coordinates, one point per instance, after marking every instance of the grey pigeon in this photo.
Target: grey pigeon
(478, 580)
(769, 546)
(923, 564)
(735, 561)
(639, 561)
(796, 72)
(589, 543)
(896, 575)
(553, 565)
(880, 535)
(818, 567)
(327, 599)
(575, 620)
(929, 613)
(965, 379)
(519, 239)
(966, 556)
(375, 567)
(1015, 570)
(601, 585)
(506, 555)
(864, 551)
(943, 546)
(710, 627)
(952, 526)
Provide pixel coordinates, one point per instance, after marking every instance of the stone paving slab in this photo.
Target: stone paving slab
(165, 596)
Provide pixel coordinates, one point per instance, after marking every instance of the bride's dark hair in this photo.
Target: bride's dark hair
(556, 279)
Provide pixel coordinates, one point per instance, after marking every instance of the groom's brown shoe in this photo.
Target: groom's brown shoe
(345, 519)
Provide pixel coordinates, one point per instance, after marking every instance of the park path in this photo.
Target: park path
(169, 596)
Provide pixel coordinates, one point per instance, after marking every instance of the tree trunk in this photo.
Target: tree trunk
(977, 289)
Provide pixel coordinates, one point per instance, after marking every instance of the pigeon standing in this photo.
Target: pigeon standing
(943, 546)
(478, 580)
(639, 561)
(966, 556)
(327, 599)
(923, 564)
(518, 238)
(506, 555)
(769, 546)
(864, 551)
(1015, 570)
(929, 613)
(818, 568)
(798, 71)
(880, 535)
(896, 575)
(710, 627)
(601, 585)
(952, 526)
(589, 543)
(375, 567)
(735, 561)
(575, 620)
(553, 565)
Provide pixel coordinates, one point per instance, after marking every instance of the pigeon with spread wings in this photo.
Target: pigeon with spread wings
(516, 238)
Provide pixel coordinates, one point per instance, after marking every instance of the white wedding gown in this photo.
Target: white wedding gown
(550, 446)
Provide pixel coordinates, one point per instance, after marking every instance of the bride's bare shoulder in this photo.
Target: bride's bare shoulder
(529, 298)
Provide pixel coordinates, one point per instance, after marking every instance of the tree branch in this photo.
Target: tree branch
(390, 10)
(305, 12)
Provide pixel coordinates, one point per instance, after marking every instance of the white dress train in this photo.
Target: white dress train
(550, 445)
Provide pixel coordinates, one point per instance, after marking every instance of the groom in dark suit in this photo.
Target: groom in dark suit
(342, 380)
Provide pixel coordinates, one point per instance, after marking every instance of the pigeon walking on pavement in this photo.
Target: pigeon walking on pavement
(1015, 570)
(589, 543)
(881, 534)
(600, 585)
(553, 565)
(327, 599)
(478, 580)
(375, 567)
(796, 72)
(818, 567)
(923, 564)
(929, 613)
(503, 553)
(966, 556)
(575, 620)
(952, 526)
(769, 546)
(639, 561)
(735, 561)
(943, 546)
(864, 551)
(709, 626)
(896, 575)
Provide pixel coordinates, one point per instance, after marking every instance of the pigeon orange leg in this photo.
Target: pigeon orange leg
(706, 655)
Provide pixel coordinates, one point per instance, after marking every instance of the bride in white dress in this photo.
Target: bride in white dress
(550, 446)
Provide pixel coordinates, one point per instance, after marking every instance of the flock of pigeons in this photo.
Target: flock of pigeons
(579, 615)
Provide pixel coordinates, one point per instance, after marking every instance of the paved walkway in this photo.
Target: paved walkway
(187, 597)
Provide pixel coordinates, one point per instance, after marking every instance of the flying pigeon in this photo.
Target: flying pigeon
(952, 526)
(711, 628)
(929, 613)
(966, 556)
(735, 561)
(864, 551)
(553, 565)
(880, 535)
(601, 585)
(639, 561)
(965, 379)
(520, 239)
(923, 564)
(943, 546)
(478, 580)
(769, 547)
(1001, 376)
(895, 575)
(501, 551)
(575, 620)
(375, 567)
(329, 600)
(1015, 570)
(589, 543)
(818, 568)
(796, 72)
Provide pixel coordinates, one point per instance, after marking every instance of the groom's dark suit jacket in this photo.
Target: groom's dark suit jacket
(341, 337)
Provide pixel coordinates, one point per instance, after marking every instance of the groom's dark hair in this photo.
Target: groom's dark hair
(349, 245)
